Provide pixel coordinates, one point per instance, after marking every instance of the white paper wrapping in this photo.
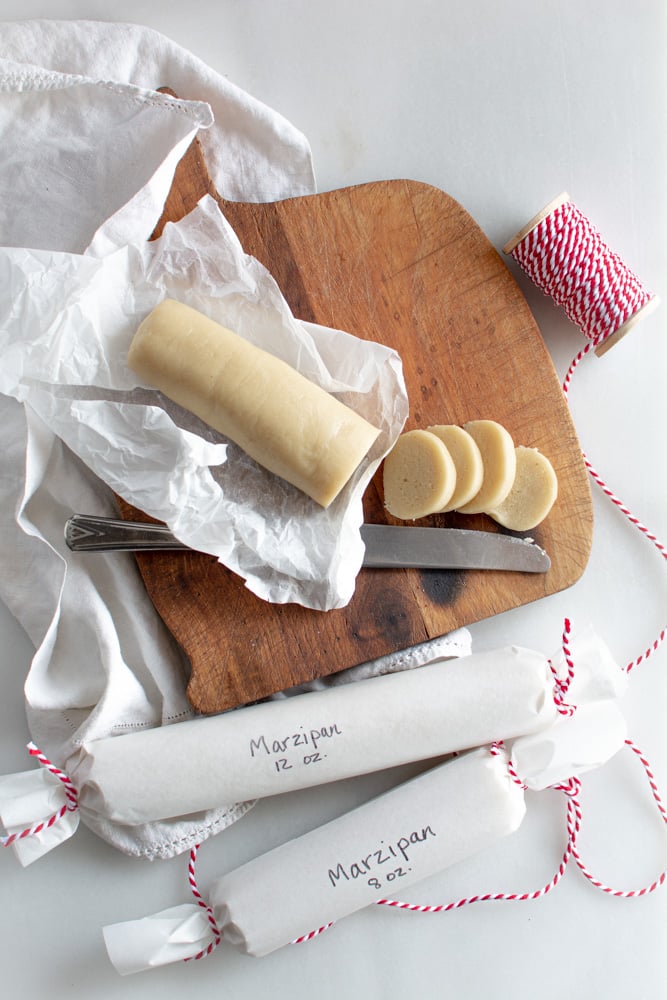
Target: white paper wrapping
(572, 745)
(89, 148)
(413, 831)
(317, 737)
(28, 801)
(397, 839)
(66, 324)
(173, 935)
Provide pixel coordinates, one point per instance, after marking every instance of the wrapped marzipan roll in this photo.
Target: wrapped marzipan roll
(404, 835)
(317, 737)
(413, 831)
(37, 815)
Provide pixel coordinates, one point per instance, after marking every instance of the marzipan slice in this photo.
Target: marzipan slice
(532, 495)
(468, 462)
(499, 459)
(419, 476)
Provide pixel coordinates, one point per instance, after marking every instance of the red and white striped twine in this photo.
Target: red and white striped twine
(71, 805)
(194, 888)
(630, 893)
(563, 253)
(572, 790)
(565, 256)
(312, 934)
(627, 513)
(562, 684)
(634, 520)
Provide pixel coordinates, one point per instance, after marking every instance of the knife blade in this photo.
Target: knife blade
(389, 545)
(386, 546)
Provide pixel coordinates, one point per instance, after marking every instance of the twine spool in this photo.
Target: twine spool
(564, 255)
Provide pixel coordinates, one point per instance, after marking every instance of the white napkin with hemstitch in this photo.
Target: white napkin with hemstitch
(104, 663)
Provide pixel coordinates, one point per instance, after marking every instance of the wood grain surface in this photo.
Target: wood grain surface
(402, 263)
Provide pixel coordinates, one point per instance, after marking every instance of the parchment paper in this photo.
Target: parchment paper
(380, 848)
(317, 737)
(416, 829)
(67, 322)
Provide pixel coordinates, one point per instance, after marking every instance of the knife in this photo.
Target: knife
(387, 546)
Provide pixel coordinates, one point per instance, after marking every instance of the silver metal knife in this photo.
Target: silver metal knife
(387, 546)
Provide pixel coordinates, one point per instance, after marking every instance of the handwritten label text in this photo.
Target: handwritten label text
(381, 861)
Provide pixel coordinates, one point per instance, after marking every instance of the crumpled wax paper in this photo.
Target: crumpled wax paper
(66, 324)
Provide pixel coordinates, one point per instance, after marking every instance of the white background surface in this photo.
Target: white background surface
(503, 106)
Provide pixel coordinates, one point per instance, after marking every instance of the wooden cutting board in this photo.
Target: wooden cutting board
(401, 263)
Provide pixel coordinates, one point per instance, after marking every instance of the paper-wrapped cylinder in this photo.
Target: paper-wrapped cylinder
(317, 737)
(415, 830)
(411, 832)
(421, 828)
(287, 423)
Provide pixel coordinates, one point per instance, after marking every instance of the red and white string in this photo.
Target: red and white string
(210, 916)
(572, 790)
(71, 805)
(659, 881)
(623, 508)
(562, 684)
(565, 256)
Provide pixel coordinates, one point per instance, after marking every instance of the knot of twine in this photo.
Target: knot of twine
(71, 805)
(210, 916)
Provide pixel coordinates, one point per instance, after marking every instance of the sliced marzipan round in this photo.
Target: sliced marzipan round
(499, 460)
(467, 460)
(532, 495)
(419, 476)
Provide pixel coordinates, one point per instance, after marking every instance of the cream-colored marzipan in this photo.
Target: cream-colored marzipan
(285, 422)
(499, 460)
(419, 475)
(533, 492)
(467, 460)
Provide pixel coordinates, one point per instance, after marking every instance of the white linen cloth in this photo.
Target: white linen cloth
(70, 126)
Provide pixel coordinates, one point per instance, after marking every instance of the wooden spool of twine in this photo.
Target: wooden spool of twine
(562, 252)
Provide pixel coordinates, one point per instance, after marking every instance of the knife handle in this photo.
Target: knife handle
(87, 533)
